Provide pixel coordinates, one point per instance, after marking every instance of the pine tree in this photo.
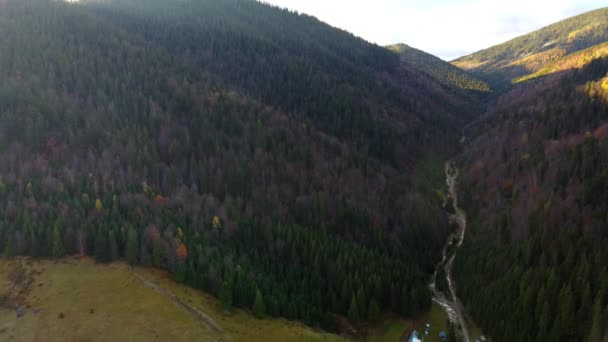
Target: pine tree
(353, 312)
(598, 322)
(157, 253)
(132, 247)
(102, 253)
(259, 308)
(114, 252)
(58, 249)
(373, 313)
(226, 295)
(180, 273)
(9, 249)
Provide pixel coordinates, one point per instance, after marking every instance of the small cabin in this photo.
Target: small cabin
(443, 336)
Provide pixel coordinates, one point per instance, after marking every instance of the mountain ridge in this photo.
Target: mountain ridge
(530, 52)
(443, 71)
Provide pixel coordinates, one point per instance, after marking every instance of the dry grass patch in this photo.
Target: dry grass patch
(79, 300)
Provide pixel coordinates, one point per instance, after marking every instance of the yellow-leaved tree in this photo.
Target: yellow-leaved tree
(216, 222)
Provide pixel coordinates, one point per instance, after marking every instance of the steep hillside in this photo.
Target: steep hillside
(259, 155)
(535, 183)
(346, 87)
(530, 53)
(576, 60)
(443, 71)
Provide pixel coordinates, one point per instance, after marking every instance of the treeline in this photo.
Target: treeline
(114, 145)
(441, 70)
(535, 266)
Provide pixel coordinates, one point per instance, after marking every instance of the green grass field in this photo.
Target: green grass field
(79, 300)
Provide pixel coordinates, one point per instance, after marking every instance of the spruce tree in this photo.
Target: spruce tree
(131, 252)
(9, 249)
(259, 308)
(226, 295)
(157, 253)
(58, 249)
(102, 252)
(598, 323)
(113, 244)
(373, 313)
(353, 312)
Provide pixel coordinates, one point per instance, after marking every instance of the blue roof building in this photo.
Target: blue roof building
(443, 336)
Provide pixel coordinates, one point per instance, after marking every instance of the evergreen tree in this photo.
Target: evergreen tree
(132, 249)
(102, 252)
(58, 249)
(8, 248)
(226, 295)
(373, 313)
(113, 244)
(180, 273)
(259, 308)
(598, 322)
(353, 311)
(157, 253)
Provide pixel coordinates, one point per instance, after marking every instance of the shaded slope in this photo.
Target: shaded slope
(535, 189)
(439, 69)
(235, 149)
(347, 87)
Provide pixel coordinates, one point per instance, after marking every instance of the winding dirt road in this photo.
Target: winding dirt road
(449, 302)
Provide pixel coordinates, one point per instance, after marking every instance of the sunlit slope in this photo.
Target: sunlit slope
(532, 52)
(573, 61)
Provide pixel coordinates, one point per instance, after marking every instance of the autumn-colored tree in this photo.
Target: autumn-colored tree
(182, 252)
(98, 206)
(216, 222)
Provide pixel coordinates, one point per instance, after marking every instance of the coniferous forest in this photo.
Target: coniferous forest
(538, 212)
(294, 170)
(258, 154)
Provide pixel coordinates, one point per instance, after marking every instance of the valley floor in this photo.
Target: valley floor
(76, 299)
(79, 300)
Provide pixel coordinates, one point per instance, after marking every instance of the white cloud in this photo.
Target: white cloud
(447, 28)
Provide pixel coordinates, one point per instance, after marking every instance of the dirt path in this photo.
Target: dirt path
(449, 302)
(194, 311)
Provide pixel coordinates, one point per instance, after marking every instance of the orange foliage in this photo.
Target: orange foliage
(182, 251)
(601, 132)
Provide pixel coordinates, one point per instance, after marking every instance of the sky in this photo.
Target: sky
(445, 28)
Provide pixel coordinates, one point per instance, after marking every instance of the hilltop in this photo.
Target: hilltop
(532, 52)
(441, 70)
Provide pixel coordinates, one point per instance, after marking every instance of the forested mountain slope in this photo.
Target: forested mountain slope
(531, 52)
(439, 69)
(258, 154)
(534, 265)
